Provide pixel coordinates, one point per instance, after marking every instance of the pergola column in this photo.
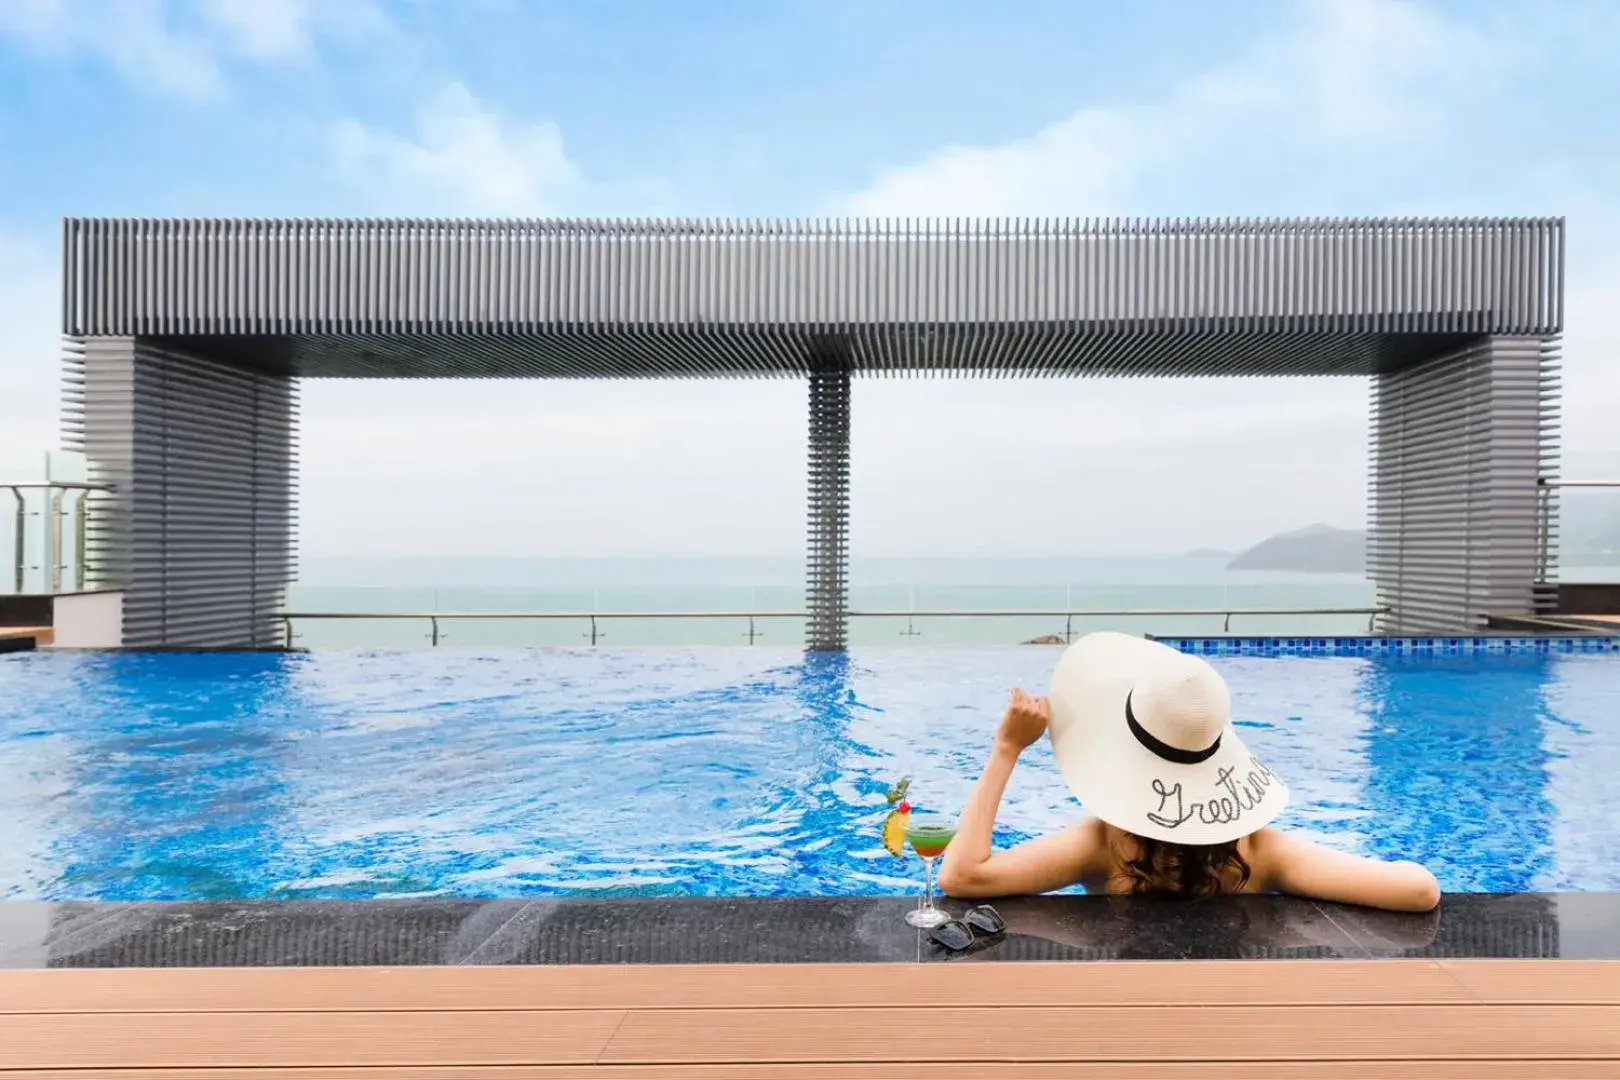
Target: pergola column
(196, 531)
(827, 554)
(1462, 528)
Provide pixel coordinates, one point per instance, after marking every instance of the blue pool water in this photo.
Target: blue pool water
(724, 771)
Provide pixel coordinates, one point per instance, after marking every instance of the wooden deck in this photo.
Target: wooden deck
(1255, 1020)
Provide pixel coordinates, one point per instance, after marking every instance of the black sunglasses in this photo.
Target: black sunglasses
(958, 934)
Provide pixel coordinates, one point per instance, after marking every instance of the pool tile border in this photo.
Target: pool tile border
(1392, 646)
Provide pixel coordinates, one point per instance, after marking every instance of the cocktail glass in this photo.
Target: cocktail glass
(928, 837)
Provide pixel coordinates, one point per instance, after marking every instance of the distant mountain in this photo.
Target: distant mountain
(1588, 535)
(1316, 549)
(1209, 554)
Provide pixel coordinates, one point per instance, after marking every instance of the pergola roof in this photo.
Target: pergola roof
(739, 298)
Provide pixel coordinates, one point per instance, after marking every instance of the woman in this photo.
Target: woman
(1143, 736)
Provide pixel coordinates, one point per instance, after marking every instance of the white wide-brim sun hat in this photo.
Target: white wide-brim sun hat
(1143, 735)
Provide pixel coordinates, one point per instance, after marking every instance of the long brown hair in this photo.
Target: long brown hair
(1194, 870)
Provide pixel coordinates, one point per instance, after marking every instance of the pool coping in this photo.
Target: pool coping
(687, 930)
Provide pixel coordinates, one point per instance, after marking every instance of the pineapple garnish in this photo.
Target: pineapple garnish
(894, 828)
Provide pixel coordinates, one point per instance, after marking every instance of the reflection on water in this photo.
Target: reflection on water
(1458, 772)
(183, 793)
(722, 771)
(1581, 712)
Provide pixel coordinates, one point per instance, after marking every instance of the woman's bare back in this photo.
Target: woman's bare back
(1277, 861)
(1086, 853)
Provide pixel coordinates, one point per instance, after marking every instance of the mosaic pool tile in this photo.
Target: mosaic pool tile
(1390, 646)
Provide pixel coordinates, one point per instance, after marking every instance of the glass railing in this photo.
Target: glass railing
(43, 536)
(1007, 627)
(1585, 548)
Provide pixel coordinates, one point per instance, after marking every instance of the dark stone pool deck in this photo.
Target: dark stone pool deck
(806, 930)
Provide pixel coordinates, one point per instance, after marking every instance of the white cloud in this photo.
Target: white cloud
(939, 467)
(1591, 352)
(30, 351)
(1371, 71)
(945, 466)
(1116, 465)
(1361, 72)
(463, 158)
(265, 29)
(1193, 462)
(280, 30)
(177, 48)
(1088, 160)
(133, 37)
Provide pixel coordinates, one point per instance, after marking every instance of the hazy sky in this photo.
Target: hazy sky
(820, 107)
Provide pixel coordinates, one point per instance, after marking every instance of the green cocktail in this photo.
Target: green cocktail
(928, 837)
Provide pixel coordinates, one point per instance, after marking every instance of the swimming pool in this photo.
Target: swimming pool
(724, 771)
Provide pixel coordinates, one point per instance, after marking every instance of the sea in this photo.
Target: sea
(893, 601)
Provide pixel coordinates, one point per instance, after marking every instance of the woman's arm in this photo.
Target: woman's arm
(1294, 865)
(970, 868)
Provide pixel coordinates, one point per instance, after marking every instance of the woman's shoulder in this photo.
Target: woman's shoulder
(1086, 848)
(1094, 845)
(1263, 849)
(1270, 847)
(1091, 830)
(1283, 862)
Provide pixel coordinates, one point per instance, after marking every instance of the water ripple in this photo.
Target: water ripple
(720, 771)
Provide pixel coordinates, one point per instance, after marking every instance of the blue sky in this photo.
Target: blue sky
(753, 107)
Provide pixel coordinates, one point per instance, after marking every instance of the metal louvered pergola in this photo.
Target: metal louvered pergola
(186, 339)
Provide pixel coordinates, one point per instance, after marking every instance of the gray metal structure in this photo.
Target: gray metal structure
(186, 338)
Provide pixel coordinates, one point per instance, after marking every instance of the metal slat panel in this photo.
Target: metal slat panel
(197, 529)
(827, 548)
(1460, 446)
(185, 336)
(661, 351)
(1485, 277)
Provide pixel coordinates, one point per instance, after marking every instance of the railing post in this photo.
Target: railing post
(433, 620)
(21, 553)
(1068, 628)
(593, 628)
(1226, 627)
(80, 531)
(1543, 528)
(53, 556)
(286, 623)
(750, 628)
